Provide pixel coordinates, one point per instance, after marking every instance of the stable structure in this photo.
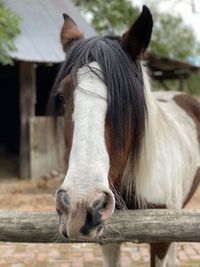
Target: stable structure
(163, 68)
(30, 82)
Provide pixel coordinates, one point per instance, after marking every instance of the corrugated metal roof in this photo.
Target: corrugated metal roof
(41, 22)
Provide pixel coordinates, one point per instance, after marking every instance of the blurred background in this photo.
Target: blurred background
(30, 56)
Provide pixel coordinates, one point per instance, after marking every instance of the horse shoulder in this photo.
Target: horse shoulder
(192, 108)
(186, 111)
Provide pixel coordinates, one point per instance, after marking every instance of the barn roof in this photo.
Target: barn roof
(41, 22)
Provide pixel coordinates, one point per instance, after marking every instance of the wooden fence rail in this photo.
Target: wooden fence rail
(124, 226)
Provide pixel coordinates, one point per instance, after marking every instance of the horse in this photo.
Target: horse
(126, 147)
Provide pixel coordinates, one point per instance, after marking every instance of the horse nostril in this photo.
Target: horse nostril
(105, 205)
(59, 212)
(105, 202)
(100, 203)
(66, 199)
(64, 233)
(62, 200)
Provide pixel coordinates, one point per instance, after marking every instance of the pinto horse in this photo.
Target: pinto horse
(122, 141)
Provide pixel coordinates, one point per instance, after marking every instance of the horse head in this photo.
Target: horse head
(101, 85)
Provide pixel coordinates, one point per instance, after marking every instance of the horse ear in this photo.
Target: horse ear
(137, 38)
(69, 32)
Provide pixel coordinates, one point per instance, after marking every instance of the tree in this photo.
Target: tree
(171, 37)
(9, 29)
(174, 39)
(111, 16)
(190, 3)
(193, 85)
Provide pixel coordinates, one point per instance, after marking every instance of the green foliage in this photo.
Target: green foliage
(111, 16)
(174, 39)
(9, 29)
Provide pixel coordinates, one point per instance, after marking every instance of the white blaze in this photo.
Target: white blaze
(89, 161)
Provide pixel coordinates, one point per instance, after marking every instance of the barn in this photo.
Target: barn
(27, 136)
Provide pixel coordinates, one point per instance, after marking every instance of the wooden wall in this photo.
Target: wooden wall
(46, 145)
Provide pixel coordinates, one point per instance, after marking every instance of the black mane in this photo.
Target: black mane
(127, 110)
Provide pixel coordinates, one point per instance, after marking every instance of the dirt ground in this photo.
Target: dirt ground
(38, 195)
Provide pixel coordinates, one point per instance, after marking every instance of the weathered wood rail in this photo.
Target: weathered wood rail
(127, 226)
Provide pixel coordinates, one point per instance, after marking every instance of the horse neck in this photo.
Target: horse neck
(155, 121)
(152, 125)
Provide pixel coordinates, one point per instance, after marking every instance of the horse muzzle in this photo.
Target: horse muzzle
(83, 217)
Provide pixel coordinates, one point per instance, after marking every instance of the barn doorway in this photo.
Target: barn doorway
(9, 121)
(10, 111)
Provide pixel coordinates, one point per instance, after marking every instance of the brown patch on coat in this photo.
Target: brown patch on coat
(69, 32)
(194, 187)
(69, 129)
(118, 159)
(66, 90)
(158, 250)
(192, 108)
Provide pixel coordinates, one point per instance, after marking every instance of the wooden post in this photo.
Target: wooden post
(165, 86)
(181, 83)
(149, 226)
(27, 109)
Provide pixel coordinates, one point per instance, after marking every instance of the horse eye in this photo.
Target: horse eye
(62, 99)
